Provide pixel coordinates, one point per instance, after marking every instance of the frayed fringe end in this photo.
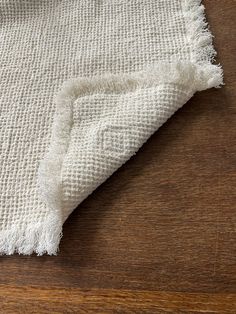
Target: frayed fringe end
(196, 76)
(41, 238)
(199, 36)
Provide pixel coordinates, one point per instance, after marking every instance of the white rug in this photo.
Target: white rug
(122, 68)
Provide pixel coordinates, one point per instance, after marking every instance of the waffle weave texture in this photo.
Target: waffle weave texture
(122, 68)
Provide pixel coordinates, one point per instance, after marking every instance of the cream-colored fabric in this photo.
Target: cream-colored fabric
(122, 68)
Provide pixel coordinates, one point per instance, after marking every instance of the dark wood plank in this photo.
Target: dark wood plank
(36, 300)
(164, 222)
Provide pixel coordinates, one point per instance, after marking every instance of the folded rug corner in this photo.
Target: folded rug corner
(122, 69)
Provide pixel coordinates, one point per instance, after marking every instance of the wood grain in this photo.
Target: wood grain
(160, 235)
(35, 300)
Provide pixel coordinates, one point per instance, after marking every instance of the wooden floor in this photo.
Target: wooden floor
(160, 235)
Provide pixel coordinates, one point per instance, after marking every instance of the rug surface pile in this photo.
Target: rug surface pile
(83, 84)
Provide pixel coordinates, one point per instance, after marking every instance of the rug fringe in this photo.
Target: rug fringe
(41, 238)
(198, 32)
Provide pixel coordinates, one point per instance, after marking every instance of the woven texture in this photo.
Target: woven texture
(134, 63)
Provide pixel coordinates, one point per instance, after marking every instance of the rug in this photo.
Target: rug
(83, 85)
